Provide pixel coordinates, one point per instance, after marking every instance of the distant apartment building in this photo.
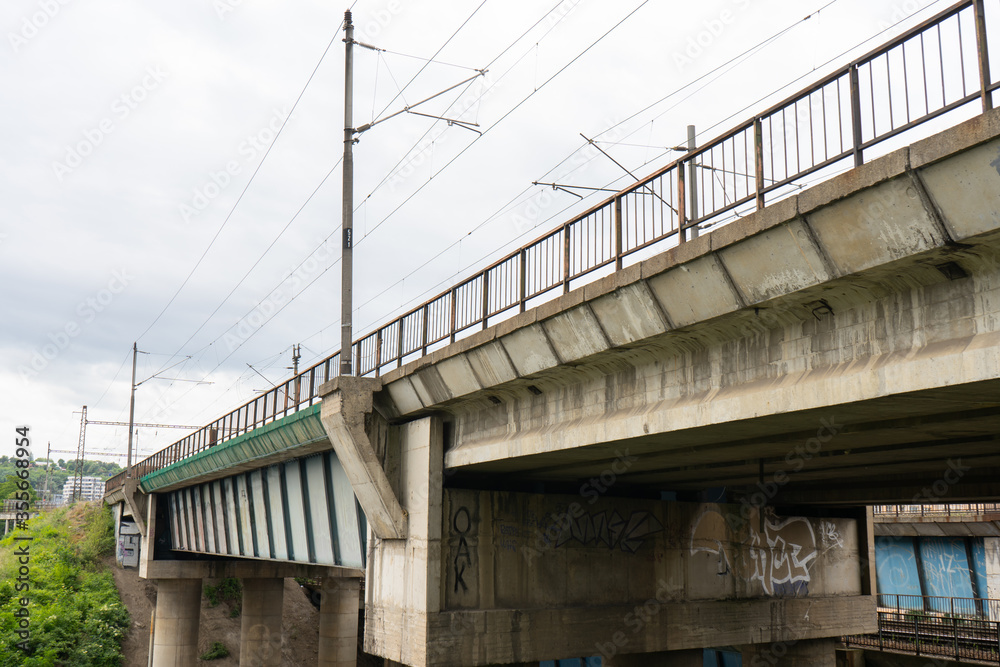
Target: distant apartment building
(91, 488)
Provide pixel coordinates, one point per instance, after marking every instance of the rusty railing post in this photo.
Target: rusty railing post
(566, 255)
(856, 116)
(486, 298)
(681, 204)
(758, 160)
(619, 251)
(454, 313)
(523, 294)
(982, 50)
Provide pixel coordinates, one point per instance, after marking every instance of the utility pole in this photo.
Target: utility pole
(347, 218)
(296, 355)
(693, 184)
(131, 414)
(48, 466)
(78, 473)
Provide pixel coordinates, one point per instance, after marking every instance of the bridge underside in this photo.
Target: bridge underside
(925, 446)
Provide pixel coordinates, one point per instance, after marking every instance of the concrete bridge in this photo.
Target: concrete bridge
(675, 456)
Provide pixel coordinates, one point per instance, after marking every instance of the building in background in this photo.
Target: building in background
(91, 488)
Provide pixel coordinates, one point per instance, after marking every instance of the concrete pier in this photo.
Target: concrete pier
(260, 637)
(178, 616)
(338, 622)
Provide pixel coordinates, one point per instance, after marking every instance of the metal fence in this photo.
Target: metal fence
(930, 635)
(985, 608)
(947, 512)
(934, 68)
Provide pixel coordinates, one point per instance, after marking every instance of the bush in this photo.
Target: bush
(217, 651)
(228, 590)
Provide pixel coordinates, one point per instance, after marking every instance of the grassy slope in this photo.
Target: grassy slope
(76, 616)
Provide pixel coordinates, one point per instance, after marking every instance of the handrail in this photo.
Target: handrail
(943, 510)
(834, 120)
(988, 608)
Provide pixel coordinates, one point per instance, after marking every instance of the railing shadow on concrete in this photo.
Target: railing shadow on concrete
(937, 67)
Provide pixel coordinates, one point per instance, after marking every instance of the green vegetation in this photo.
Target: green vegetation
(57, 474)
(229, 590)
(76, 617)
(217, 651)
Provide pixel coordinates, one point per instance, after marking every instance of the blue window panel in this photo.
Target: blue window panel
(979, 566)
(720, 658)
(896, 573)
(593, 662)
(731, 659)
(572, 662)
(547, 663)
(946, 570)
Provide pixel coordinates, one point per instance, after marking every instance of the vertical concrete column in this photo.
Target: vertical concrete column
(992, 548)
(802, 653)
(260, 632)
(691, 658)
(338, 622)
(178, 615)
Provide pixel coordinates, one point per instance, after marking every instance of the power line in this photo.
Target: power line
(440, 49)
(504, 117)
(246, 187)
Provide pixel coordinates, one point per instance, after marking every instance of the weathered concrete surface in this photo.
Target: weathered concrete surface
(178, 616)
(503, 577)
(260, 623)
(338, 623)
(863, 312)
(403, 582)
(812, 653)
(509, 550)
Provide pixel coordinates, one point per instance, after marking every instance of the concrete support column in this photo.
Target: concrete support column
(690, 658)
(992, 547)
(803, 653)
(260, 632)
(338, 622)
(178, 615)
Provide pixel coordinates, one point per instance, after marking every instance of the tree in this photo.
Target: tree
(9, 489)
(62, 463)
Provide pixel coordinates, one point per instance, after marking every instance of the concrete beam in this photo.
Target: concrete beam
(812, 653)
(689, 658)
(241, 569)
(347, 403)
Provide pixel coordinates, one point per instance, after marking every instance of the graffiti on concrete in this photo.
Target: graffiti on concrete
(778, 556)
(830, 536)
(609, 529)
(461, 522)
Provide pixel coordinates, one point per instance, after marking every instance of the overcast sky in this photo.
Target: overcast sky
(132, 129)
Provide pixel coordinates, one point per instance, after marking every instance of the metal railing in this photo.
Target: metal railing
(985, 608)
(953, 511)
(934, 68)
(922, 634)
(13, 506)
